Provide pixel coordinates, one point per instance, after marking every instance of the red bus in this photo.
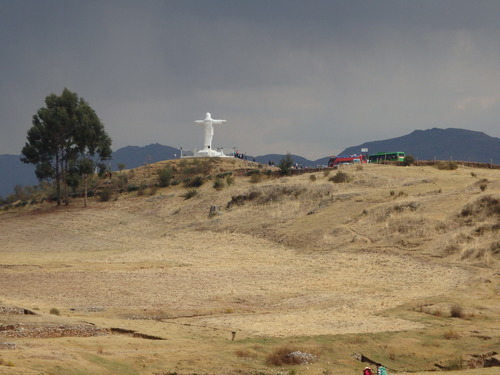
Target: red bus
(344, 160)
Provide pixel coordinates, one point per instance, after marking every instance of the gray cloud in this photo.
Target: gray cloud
(289, 76)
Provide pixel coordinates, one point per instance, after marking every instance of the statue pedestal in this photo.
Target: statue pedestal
(210, 153)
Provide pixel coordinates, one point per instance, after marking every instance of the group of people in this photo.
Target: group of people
(381, 370)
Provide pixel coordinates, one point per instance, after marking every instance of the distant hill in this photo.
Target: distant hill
(439, 144)
(134, 156)
(14, 172)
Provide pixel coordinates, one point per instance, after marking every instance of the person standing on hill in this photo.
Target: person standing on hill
(381, 370)
(367, 371)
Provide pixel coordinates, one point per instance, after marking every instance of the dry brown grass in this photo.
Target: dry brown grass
(296, 263)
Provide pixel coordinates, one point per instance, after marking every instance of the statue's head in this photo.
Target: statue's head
(208, 116)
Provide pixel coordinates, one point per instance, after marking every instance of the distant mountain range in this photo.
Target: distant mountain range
(439, 144)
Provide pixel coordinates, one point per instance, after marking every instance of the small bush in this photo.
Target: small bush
(165, 176)
(483, 186)
(312, 178)
(454, 364)
(408, 160)
(287, 356)
(54, 311)
(190, 194)
(446, 165)
(218, 183)
(255, 178)
(106, 194)
(194, 182)
(456, 311)
(340, 178)
(229, 180)
(451, 335)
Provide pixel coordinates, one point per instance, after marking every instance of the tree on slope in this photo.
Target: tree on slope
(65, 133)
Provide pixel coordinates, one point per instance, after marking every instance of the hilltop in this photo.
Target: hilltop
(430, 144)
(400, 264)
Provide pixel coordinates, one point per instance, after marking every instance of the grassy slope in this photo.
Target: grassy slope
(387, 248)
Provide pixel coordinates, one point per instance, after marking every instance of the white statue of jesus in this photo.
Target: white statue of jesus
(208, 124)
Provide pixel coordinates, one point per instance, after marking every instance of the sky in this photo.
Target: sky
(309, 77)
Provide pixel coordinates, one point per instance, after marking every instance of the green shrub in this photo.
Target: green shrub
(285, 165)
(165, 176)
(312, 178)
(218, 183)
(229, 180)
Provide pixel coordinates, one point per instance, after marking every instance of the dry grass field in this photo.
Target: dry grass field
(400, 264)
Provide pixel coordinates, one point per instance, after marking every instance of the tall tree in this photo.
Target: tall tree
(65, 133)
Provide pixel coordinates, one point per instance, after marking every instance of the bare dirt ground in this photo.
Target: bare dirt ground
(301, 261)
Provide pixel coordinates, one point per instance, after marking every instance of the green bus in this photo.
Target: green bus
(386, 156)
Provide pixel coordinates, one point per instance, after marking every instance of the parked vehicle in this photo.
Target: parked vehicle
(386, 156)
(335, 161)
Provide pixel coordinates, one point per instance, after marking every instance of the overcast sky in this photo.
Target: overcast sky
(307, 77)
